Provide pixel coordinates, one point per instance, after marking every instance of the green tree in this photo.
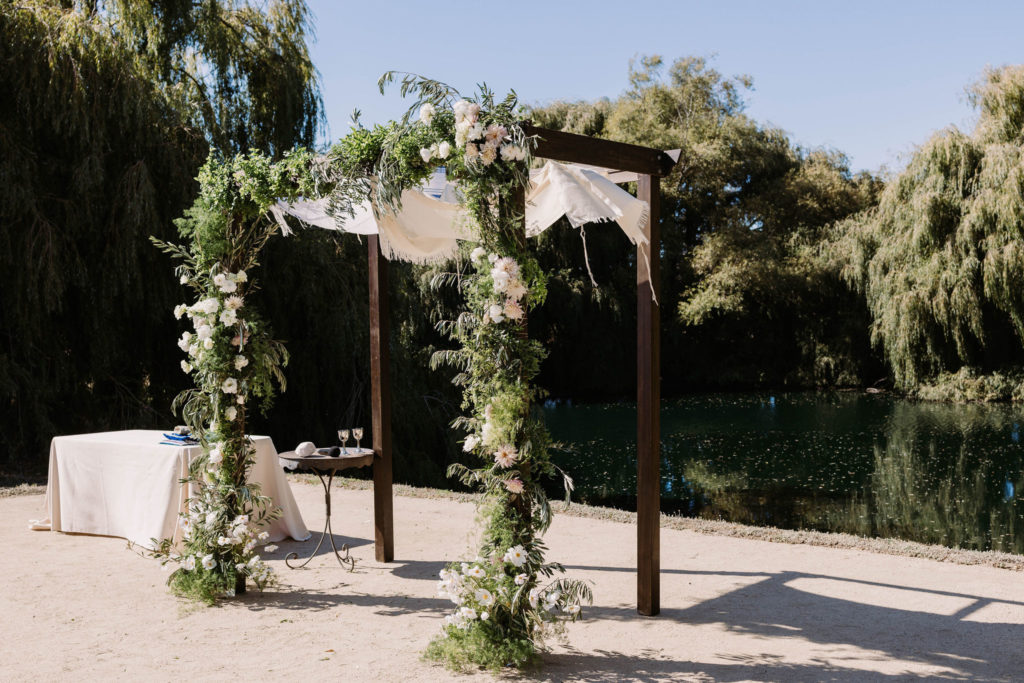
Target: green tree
(109, 109)
(742, 215)
(940, 259)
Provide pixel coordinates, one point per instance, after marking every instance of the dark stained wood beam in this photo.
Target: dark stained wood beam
(648, 405)
(380, 403)
(582, 149)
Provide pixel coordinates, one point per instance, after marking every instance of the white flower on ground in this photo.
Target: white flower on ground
(263, 535)
(517, 556)
(472, 441)
(228, 317)
(241, 362)
(209, 562)
(484, 597)
(513, 310)
(444, 149)
(229, 386)
(515, 289)
(514, 486)
(185, 367)
(426, 154)
(234, 302)
(179, 311)
(505, 456)
(427, 112)
(207, 344)
(231, 413)
(216, 456)
(496, 313)
(477, 253)
(573, 609)
(204, 332)
(521, 579)
(534, 598)
(476, 571)
(190, 563)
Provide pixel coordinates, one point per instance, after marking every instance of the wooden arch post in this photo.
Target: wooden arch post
(380, 403)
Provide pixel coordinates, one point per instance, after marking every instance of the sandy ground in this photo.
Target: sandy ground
(733, 609)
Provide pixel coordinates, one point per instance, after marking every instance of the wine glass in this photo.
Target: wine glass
(357, 433)
(343, 437)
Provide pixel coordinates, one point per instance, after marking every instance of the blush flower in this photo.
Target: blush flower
(513, 311)
(505, 456)
(514, 486)
(234, 302)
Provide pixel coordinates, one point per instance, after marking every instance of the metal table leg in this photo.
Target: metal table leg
(347, 559)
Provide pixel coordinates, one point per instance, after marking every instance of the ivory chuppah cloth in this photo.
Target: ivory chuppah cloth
(128, 484)
(431, 221)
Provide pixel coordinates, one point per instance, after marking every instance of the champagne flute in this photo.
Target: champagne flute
(343, 437)
(357, 432)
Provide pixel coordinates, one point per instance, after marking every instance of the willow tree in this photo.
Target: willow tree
(940, 260)
(109, 110)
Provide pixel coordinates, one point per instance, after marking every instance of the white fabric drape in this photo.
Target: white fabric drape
(432, 221)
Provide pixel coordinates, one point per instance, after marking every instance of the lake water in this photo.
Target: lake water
(871, 465)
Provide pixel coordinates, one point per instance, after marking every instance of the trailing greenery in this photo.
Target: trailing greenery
(233, 360)
(507, 598)
(940, 259)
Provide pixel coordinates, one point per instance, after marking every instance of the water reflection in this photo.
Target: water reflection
(868, 465)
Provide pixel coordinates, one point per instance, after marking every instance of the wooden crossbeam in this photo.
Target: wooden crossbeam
(581, 149)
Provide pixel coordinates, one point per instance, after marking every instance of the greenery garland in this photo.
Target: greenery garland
(234, 360)
(507, 598)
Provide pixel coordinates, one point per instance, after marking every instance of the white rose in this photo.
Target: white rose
(427, 112)
(216, 457)
(444, 149)
(204, 332)
(179, 311)
(478, 253)
(229, 386)
(241, 362)
(240, 276)
(228, 317)
(493, 258)
(496, 313)
(426, 154)
(208, 344)
(185, 367)
(231, 413)
(228, 286)
(472, 441)
(240, 400)
(184, 280)
(476, 132)
(219, 279)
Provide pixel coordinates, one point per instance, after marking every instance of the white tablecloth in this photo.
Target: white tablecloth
(127, 484)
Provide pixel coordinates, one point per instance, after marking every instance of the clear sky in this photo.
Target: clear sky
(869, 78)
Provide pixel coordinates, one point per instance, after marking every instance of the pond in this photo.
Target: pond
(871, 465)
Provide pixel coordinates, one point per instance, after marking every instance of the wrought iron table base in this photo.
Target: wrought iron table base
(345, 561)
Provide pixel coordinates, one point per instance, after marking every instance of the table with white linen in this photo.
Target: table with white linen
(128, 484)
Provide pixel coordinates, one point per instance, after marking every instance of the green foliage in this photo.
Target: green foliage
(505, 600)
(743, 214)
(939, 260)
(232, 358)
(102, 132)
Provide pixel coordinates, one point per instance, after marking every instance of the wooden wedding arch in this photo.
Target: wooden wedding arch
(649, 165)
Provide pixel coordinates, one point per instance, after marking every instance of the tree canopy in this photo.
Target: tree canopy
(940, 259)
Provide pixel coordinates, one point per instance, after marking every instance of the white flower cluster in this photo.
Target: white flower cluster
(479, 588)
(239, 535)
(481, 145)
(506, 283)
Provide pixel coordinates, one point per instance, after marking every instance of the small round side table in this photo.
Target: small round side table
(325, 467)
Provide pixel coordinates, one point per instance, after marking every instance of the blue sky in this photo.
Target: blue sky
(871, 79)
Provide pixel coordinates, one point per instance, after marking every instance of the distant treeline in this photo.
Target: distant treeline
(780, 267)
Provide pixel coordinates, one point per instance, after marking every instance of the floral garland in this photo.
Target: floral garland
(233, 361)
(507, 599)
